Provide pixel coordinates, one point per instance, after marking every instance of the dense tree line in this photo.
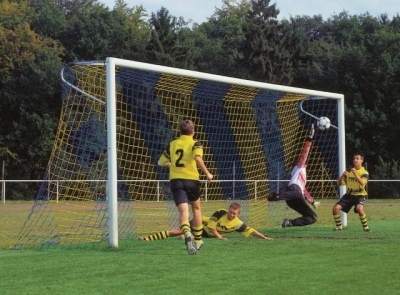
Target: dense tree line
(357, 55)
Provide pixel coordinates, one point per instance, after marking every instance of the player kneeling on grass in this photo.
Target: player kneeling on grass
(221, 222)
(356, 181)
(296, 194)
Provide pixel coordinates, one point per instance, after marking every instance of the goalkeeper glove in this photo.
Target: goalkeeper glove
(310, 134)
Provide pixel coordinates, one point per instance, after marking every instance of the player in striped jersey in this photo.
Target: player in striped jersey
(355, 180)
(221, 222)
(182, 156)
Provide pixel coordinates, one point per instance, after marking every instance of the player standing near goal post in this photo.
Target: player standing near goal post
(356, 180)
(182, 156)
(296, 194)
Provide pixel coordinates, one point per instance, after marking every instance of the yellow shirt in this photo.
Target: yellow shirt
(354, 188)
(181, 153)
(219, 221)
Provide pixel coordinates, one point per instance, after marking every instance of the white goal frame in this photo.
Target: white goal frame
(111, 65)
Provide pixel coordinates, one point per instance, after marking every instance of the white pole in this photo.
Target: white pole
(222, 79)
(342, 153)
(112, 182)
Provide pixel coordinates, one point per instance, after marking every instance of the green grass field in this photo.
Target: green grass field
(302, 260)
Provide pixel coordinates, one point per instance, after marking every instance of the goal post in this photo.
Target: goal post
(111, 65)
(103, 184)
(112, 184)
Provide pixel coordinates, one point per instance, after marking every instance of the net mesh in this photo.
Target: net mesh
(251, 136)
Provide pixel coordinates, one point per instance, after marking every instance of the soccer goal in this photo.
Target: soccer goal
(103, 183)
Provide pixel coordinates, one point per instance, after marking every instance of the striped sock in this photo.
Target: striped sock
(338, 221)
(158, 236)
(197, 232)
(185, 227)
(364, 222)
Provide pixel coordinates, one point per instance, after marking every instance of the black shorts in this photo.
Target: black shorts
(291, 192)
(348, 201)
(185, 190)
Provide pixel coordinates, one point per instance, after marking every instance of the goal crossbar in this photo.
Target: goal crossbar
(113, 63)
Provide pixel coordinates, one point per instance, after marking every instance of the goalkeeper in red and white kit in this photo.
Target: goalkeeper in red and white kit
(296, 194)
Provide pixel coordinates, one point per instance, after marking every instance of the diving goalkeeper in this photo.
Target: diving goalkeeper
(221, 222)
(296, 194)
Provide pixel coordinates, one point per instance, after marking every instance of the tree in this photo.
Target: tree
(219, 40)
(50, 20)
(90, 31)
(129, 33)
(167, 45)
(266, 48)
(30, 96)
(87, 36)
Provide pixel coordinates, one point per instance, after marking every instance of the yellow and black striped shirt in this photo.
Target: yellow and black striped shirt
(181, 152)
(354, 188)
(219, 221)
